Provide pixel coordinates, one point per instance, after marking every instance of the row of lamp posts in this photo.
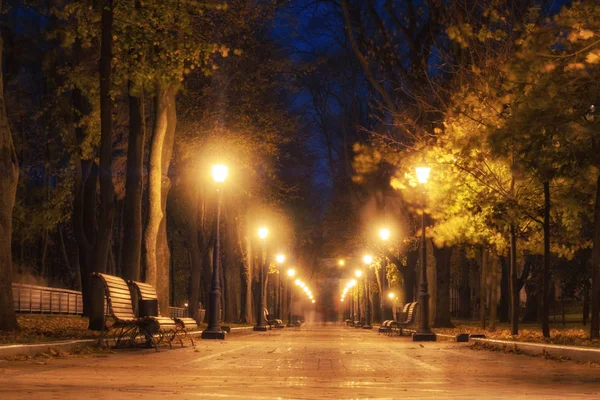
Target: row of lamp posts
(423, 332)
(214, 329)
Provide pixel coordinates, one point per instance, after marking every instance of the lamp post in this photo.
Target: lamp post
(213, 330)
(423, 333)
(290, 273)
(280, 258)
(260, 317)
(368, 260)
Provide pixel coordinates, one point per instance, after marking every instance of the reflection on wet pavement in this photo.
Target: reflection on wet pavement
(308, 363)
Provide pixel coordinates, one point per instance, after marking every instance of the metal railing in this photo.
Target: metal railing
(32, 299)
(45, 300)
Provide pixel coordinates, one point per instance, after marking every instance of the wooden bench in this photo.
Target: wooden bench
(272, 322)
(386, 326)
(146, 292)
(409, 312)
(127, 327)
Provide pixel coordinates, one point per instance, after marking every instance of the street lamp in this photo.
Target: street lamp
(423, 333)
(213, 330)
(341, 263)
(368, 260)
(384, 234)
(260, 326)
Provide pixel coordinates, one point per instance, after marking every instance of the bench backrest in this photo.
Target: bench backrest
(406, 306)
(145, 290)
(266, 314)
(117, 296)
(411, 311)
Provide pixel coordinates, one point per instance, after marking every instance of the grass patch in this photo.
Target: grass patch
(46, 328)
(571, 334)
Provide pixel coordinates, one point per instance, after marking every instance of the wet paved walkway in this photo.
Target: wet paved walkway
(308, 363)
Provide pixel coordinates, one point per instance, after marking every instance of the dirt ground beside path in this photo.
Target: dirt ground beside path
(307, 363)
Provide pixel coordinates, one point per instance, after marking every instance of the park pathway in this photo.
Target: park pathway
(331, 362)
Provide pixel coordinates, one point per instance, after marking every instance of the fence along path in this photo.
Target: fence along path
(34, 299)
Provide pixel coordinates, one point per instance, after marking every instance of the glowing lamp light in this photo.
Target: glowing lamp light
(263, 232)
(341, 263)
(358, 273)
(391, 295)
(422, 174)
(291, 272)
(297, 282)
(342, 300)
(353, 283)
(313, 301)
(384, 234)
(186, 304)
(280, 258)
(220, 172)
(368, 259)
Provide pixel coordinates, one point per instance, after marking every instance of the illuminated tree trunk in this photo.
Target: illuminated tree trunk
(9, 175)
(161, 149)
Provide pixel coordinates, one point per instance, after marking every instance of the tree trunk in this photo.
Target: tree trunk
(586, 303)
(409, 275)
(132, 221)
(546, 276)
(194, 251)
(514, 284)
(247, 314)
(464, 293)
(107, 195)
(155, 184)
(504, 303)
(595, 320)
(9, 175)
(482, 285)
(495, 270)
(443, 258)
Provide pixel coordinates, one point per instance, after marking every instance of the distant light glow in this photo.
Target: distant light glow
(392, 295)
(280, 258)
(384, 233)
(353, 283)
(358, 273)
(341, 263)
(291, 272)
(368, 259)
(313, 301)
(297, 282)
(220, 172)
(263, 232)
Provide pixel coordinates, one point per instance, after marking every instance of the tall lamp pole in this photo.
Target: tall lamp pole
(214, 331)
(368, 260)
(260, 317)
(423, 333)
(386, 311)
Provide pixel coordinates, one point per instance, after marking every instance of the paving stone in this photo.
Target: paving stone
(330, 362)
